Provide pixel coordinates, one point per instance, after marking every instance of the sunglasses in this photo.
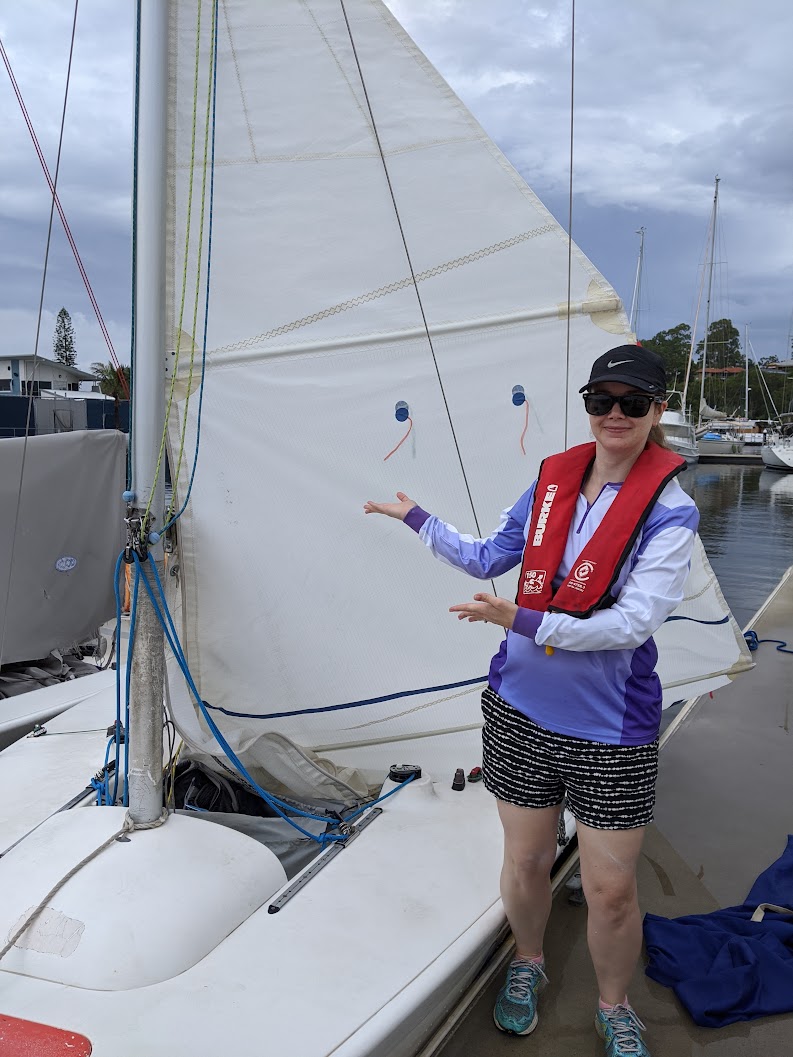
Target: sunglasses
(633, 405)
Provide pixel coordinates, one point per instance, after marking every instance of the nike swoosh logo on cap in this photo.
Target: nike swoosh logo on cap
(616, 363)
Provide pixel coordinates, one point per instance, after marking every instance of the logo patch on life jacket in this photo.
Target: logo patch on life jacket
(581, 576)
(545, 509)
(533, 581)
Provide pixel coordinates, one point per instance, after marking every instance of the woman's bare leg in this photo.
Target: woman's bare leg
(529, 853)
(614, 926)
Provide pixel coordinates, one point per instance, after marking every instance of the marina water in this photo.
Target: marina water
(746, 526)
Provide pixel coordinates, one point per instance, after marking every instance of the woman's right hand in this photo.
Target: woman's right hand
(397, 510)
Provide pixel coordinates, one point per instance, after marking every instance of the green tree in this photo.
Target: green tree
(673, 346)
(63, 339)
(110, 384)
(724, 345)
(109, 381)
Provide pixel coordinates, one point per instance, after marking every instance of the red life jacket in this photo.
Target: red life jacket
(588, 586)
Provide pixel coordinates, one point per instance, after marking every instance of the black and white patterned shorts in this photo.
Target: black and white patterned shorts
(606, 786)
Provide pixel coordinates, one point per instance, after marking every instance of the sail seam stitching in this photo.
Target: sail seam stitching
(389, 288)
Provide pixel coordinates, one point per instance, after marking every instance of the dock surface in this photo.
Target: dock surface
(723, 814)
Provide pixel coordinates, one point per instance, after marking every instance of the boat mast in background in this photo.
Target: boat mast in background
(746, 371)
(707, 304)
(637, 286)
(148, 413)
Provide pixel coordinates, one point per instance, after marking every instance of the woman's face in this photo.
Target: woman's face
(614, 432)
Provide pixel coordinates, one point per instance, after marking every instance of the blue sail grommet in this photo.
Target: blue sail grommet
(401, 411)
(518, 395)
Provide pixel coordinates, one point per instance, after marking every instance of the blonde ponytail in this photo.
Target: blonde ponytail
(657, 436)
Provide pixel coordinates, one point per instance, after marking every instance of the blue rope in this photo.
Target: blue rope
(130, 645)
(278, 805)
(275, 803)
(754, 643)
(102, 785)
(350, 704)
(380, 799)
(130, 648)
(117, 592)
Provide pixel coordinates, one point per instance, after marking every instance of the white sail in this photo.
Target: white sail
(295, 603)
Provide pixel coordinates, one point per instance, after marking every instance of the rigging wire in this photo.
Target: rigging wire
(412, 270)
(64, 221)
(31, 381)
(569, 227)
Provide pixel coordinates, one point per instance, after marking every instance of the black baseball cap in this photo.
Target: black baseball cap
(632, 365)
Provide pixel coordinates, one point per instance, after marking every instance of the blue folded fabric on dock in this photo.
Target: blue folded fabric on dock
(723, 966)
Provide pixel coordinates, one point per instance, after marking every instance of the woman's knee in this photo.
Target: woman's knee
(614, 898)
(529, 861)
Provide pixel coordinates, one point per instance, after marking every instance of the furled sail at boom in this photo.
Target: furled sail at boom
(382, 256)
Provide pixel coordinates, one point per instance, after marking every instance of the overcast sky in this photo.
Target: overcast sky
(669, 93)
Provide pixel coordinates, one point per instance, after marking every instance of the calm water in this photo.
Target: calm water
(746, 525)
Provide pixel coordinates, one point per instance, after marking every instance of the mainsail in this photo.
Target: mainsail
(370, 246)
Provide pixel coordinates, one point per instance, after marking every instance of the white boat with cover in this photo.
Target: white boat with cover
(372, 253)
(680, 435)
(60, 533)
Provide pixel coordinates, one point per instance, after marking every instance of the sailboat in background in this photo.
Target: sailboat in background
(710, 439)
(326, 239)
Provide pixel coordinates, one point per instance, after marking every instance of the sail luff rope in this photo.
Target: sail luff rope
(64, 221)
(172, 387)
(38, 331)
(134, 235)
(207, 282)
(569, 227)
(412, 271)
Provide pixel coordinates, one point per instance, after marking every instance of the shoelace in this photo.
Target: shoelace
(522, 979)
(626, 1027)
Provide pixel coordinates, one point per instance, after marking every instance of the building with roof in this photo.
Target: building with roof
(29, 375)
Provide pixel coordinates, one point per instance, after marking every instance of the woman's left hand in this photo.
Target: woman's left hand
(488, 608)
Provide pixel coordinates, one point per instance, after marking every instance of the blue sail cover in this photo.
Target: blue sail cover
(723, 966)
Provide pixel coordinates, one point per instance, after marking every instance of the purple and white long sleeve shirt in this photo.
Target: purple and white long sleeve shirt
(600, 682)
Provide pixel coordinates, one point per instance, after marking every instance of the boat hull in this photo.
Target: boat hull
(777, 456)
(722, 446)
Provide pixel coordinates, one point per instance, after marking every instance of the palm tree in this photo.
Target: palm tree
(110, 383)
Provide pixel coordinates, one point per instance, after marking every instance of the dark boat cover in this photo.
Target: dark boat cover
(724, 966)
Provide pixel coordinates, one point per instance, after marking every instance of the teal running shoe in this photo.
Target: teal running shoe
(621, 1030)
(515, 1011)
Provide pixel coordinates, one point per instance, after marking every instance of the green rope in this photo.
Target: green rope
(207, 124)
(164, 438)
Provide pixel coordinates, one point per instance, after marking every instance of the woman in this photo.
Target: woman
(573, 704)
